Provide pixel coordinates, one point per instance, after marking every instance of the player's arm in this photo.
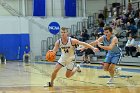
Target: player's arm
(56, 46)
(77, 42)
(94, 43)
(110, 47)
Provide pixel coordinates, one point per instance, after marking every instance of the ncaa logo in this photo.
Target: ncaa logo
(54, 28)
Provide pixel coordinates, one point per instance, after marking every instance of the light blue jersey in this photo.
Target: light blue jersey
(115, 49)
(114, 55)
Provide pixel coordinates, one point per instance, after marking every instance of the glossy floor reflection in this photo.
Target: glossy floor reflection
(16, 77)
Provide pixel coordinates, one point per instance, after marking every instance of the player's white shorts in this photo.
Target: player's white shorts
(67, 62)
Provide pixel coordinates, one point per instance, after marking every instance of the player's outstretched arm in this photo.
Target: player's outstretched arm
(94, 43)
(75, 41)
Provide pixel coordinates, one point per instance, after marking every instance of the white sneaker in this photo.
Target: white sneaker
(78, 68)
(111, 81)
(117, 71)
(49, 84)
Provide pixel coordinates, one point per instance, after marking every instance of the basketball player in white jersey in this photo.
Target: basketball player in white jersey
(67, 45)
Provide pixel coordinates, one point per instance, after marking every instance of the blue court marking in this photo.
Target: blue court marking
(95, 67)
(122, 76)
(50, 63)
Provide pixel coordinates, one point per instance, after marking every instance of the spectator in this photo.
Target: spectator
(113, 23)
(138, 50)
(130, 46)
(87, 55)
(118, 30)
(2, 59)
(138, 24)
(137, 13)
(136, 21)
(101, 23)
(131, 20)
(26, 57)
(84, 35)
(114, 12)
(131, 29)
(124, 10)
(100, 30)
(101, 16)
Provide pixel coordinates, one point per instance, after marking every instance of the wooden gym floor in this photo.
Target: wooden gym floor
(16, 77)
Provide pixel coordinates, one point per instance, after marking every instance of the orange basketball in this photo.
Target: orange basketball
(50, 56)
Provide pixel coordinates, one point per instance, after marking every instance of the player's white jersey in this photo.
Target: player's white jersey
(67, 50)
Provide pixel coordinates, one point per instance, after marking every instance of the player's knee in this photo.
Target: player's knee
(111, 70)
(68, 76)
(105, 69)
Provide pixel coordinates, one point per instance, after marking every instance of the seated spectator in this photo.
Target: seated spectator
(100, 30)
(101, 23)
(26, 57)
(79, 52)
(137, 54)
(84, 35)
(2, 59)
(87, 55)
(138, 24)
(114, 12)
(113, 23)
(130, 46)
(132, 29)
(101, 16)
(118, 30)
(124, 10)
(138, 50)
(131, 20)
(136, 21)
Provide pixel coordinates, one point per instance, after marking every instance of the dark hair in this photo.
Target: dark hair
(108, 28)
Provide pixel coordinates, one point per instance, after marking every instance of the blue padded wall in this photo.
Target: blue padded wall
(13, 45)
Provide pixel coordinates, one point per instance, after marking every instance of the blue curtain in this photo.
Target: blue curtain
(70, 8)
(39, 7)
